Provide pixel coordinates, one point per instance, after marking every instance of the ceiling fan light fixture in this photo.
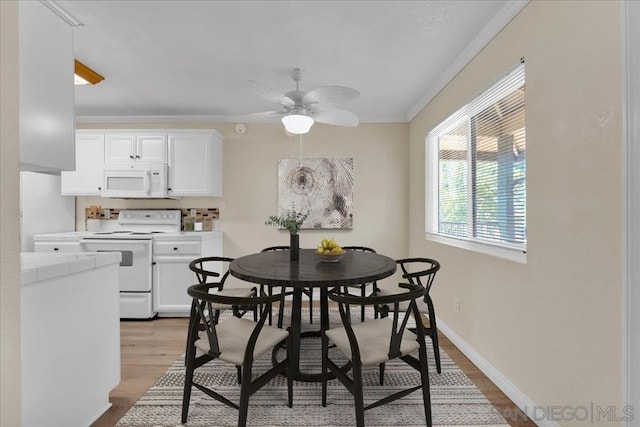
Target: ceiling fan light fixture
(84, 75)
(297, 123)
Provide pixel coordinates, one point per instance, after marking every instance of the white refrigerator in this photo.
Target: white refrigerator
(42, 208)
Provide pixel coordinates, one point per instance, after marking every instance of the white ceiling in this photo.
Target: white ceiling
(196, 58)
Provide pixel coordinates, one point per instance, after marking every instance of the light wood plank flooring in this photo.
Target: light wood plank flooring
(148, 347)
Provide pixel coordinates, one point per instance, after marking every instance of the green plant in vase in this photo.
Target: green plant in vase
(292, 222)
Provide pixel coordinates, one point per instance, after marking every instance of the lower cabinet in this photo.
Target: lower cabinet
(171, 273)
(57, 247)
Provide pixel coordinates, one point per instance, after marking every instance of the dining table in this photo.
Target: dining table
(275, 269)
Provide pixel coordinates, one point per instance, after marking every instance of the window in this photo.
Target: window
(476, 172)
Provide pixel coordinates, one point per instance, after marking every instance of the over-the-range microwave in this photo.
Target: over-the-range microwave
(140, 180)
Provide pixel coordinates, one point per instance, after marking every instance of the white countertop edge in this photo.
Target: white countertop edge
(39, 266)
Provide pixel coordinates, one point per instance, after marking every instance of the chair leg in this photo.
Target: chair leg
(281, 308)
(245, 389)
(363, 294)
(358, 395)
(311, 305)
(426, 392)
(239, 369)
(188, 381)
(382, 374)
(270, 291)
(290, 369)
(324, 376)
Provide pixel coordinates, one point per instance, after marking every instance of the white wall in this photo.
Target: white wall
(9, 221)
(381, 172)
(552, 326)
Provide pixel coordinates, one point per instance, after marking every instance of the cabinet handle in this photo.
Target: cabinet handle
(153, 263)
(168, 189)
(131, 156)
(175, 249)
(56, 249)
(137, 157)
(99, 188)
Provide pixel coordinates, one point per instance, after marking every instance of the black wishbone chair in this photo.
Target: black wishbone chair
(421, 271)
(376, 341)
(235, 340)
(307, 291)
(363, 286)
(205, 273)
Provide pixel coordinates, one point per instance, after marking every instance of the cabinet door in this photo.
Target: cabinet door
(86, 180)
(195, 164)
(119, 148)
(151, 148)
(171, 278)
(46, 93)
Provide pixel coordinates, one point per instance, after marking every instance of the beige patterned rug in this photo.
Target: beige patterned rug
(455, 399)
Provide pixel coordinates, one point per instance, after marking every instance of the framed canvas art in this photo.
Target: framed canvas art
(321, 187)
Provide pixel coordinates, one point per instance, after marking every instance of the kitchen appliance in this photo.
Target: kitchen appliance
(138, 180)
(131, 235)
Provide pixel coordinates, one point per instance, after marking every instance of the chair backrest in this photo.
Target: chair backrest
(400, 314)
(421, 271)
(359, 248)
(203, 306)
(204, 270)
(276, 248)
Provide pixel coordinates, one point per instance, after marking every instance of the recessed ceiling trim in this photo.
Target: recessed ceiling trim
(62, 13)
(502, 18)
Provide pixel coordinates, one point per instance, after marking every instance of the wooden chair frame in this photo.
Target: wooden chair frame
(201, 321)
(355, 384)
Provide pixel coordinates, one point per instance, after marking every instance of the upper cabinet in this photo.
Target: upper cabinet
(193, 158)
(46, 89)
(195, 164)
(127, 148)
(86, 179)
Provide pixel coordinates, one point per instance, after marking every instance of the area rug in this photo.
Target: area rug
(455, 399)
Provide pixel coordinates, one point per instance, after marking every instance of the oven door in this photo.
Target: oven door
(135, 268)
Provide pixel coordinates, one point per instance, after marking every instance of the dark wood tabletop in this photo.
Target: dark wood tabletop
(275, 269)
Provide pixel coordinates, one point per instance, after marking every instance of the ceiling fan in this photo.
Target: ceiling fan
(301, 109)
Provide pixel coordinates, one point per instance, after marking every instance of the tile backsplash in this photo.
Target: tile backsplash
(207, 216)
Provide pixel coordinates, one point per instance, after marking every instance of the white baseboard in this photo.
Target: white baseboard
(514, 393)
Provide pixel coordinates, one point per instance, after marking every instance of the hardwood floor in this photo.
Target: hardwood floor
(148, 347)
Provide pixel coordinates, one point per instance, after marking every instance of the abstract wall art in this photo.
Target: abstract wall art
(321, 187)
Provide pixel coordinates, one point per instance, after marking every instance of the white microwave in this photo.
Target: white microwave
(140, 180)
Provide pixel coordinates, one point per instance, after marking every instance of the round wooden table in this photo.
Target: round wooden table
(275, 269)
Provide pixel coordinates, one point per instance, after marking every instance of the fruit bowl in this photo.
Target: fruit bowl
(330, 257)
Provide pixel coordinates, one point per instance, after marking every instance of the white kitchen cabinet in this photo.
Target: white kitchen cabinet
(195, 164)
(86, 179)
(127, 148)
(57, 247)
(171, 274)
(46, 89)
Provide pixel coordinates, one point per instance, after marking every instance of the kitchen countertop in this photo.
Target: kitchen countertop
(38, 266)
(188, 235)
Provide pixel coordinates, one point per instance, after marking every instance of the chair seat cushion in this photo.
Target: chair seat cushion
(404, 305)
(233, 336)
(373, 337)
(232, 292)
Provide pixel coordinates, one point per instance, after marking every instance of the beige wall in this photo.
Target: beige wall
(380, 156)
(551, 326)
(9, 221)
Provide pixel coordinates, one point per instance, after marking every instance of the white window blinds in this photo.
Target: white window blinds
(476, 168)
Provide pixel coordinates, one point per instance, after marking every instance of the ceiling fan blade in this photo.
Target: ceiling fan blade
(272, 94)
(331, 95)
(336, 117)
(261, 116)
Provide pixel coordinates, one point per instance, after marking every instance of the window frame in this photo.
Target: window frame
(493, 93)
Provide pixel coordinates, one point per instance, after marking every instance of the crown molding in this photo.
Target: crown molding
(504, 16)
(154, 119)
(62, 13)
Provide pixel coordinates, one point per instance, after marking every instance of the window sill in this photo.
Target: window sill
(509, 254)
